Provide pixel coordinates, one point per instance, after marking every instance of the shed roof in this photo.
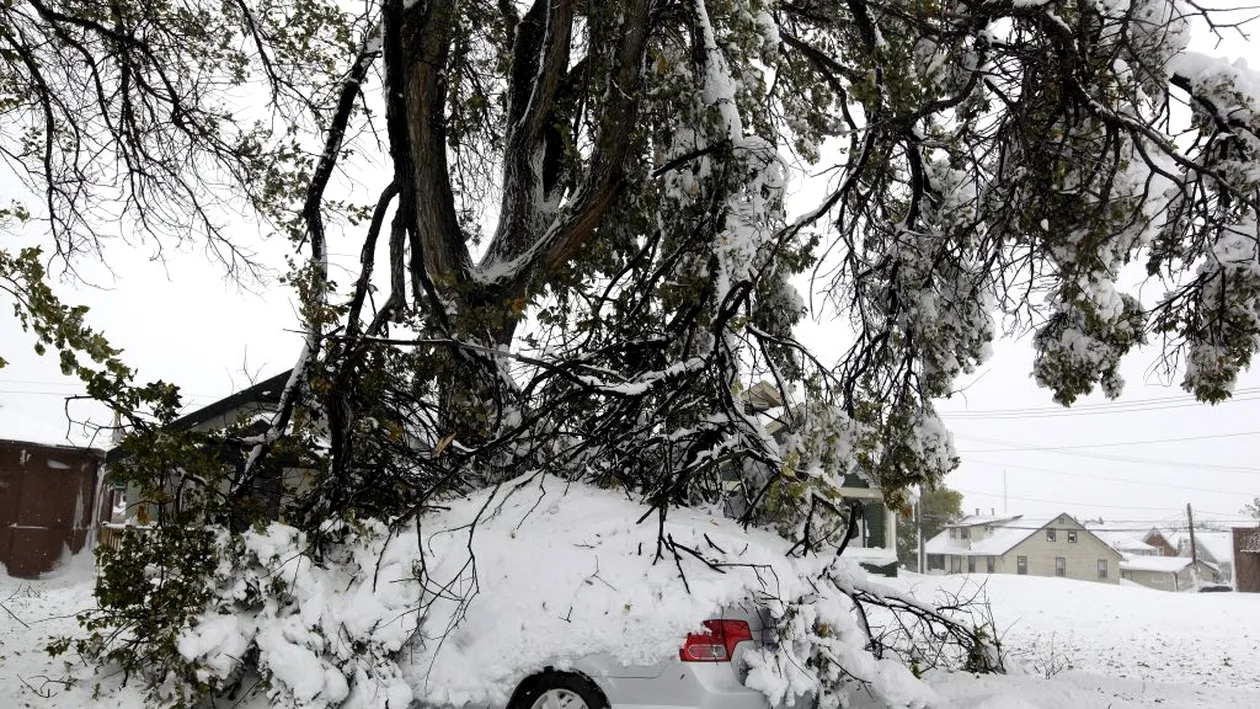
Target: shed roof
(64, 447)
(1164, 564)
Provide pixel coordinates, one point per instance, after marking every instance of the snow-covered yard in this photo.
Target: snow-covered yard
(1104, 646)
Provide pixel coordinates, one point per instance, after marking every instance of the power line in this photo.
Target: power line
(41, 382)
(33, 392)
(1075, 504)
(188, 396)
(1135, 406)
(1192, 488)
(1113, 444)
(1181, 464)
(1177, 398)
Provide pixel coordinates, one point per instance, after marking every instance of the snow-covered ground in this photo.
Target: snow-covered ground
(1102, 646)
(1131, 632)
(1098, 646)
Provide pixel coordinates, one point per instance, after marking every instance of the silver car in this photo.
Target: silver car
(707, 673)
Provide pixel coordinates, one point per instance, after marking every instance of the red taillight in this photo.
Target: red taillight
(716, 645)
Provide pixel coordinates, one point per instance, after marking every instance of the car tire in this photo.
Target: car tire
(553, 689)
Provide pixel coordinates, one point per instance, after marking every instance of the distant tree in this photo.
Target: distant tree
(1252, 509)
(939, 507)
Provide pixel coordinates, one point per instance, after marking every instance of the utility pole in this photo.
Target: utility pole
(1194, 550)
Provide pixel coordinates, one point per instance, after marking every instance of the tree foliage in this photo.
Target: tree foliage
(587, 245)
(937, 507)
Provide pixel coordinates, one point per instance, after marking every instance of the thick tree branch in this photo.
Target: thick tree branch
(426, 33)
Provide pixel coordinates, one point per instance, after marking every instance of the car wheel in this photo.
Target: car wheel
(558, 690)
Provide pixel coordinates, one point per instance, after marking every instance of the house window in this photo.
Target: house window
(1050, 537)
(1021, 565)
(1060, 566)
(964, 533)
(953, 533)
(1102, 568)
(971, 564)
(990, 564)
(955, 564)
(1071, 536)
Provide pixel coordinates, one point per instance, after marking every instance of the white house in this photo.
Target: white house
(1033, 546)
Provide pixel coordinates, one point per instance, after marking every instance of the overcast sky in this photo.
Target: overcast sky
(1141, 458)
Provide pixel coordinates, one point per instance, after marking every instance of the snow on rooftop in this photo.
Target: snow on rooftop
(1162, 564)
(1005, 535)
(1124, 540)
(977, 520)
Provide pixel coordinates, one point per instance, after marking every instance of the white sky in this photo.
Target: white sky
(1152, 452)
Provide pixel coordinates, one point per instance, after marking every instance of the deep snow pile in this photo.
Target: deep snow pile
(549, 573)
(463, 604)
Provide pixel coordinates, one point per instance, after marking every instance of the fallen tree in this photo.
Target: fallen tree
(588, 258)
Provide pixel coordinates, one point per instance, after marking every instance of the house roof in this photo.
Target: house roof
(264, 392)
(977, 520)
(63, 447)
(1173, 537)
(1163, 564)
(762, 396)
(1122, 538)
(1007, 533)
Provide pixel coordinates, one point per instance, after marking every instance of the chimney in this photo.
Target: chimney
(977, 511)
(993, 512)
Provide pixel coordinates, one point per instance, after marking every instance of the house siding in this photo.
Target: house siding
(1168, 581)
(1081, 557)
(1158, 580)
(1157, 540)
